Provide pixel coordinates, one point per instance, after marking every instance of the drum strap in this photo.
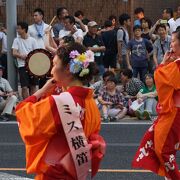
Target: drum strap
(70, 114)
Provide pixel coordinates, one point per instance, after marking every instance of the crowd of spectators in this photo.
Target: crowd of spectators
(126, 62)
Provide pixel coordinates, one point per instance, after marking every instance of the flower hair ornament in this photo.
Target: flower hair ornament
(79, 62)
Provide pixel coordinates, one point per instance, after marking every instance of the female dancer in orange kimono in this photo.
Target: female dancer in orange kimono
(157, 151)
(61, 132)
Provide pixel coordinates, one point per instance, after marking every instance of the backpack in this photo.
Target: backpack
(114, 41)
(124, 34)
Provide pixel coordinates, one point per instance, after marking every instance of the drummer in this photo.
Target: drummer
(71, 30)
(50, 44)
(37, 31)
(22, 45)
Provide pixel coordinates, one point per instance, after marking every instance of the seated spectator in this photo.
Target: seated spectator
(99, 85)
(131, 85)
(148, 95)
(131, 88)
(7, 97)
(112, 102)
(71, 30)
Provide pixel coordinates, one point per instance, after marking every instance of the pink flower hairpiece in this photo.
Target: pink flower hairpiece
(79, 62)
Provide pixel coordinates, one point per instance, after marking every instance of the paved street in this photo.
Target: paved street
(122, 140)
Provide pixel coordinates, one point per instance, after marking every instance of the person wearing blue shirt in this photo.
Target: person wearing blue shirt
(137, 54)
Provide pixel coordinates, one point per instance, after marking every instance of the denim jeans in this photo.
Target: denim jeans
(141, 71)
(149, 105)
(101, 69)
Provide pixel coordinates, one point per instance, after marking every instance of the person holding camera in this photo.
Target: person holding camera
(8, 98)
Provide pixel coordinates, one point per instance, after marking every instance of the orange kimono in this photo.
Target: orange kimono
(160, 143)
(47, 151)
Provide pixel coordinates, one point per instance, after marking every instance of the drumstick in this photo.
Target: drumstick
(49, 29)
(52, 20)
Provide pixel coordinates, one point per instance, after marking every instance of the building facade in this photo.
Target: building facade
(98, 10)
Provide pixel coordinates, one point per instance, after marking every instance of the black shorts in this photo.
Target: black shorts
(26, 80)
(109, 60)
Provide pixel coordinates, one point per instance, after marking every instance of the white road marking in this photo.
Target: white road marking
(8, 122)
(127, 123)
(108, 144)
(103, 123)
(6, 176)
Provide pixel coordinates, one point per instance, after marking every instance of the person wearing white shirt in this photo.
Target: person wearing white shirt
(172, 24)
(3, 37)
(178, 16)
(71, 30)
(178, 22)
(168, 15)
(22, 45)
(3, 56)
(37, 30)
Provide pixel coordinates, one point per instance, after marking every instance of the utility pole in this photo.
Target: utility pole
(11, 21)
